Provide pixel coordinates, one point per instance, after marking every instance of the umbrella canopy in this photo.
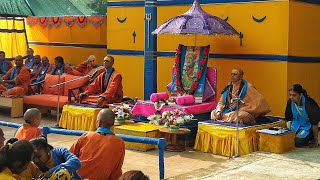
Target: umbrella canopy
(196, 21)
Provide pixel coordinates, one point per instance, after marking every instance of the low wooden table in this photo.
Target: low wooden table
(16, 105)
(171, 137)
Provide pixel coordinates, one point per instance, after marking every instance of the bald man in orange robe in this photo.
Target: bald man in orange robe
(252, 103)
(16, 81)
(106, 88)
(101, 152)
(85, 67)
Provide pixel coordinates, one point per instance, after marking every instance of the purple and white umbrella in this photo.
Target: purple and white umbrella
(196, 21)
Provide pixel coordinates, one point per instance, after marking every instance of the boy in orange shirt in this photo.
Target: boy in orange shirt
(30, 129)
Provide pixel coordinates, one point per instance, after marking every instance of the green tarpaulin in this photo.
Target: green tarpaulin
(49, 8)
(12, 8)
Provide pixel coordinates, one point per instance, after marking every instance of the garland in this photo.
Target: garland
(195, 82)
(81, 21)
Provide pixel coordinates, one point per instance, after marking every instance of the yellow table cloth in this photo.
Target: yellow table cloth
(79, 118)
(139, 129)
(221, 140)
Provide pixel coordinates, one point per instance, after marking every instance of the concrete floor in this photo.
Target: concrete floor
(302, 163)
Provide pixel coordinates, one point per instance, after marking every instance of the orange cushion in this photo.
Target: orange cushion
(52, 80)
(74, 84)
(47, 100)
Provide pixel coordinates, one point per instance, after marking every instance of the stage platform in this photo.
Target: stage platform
(79, 118)
(220, 138)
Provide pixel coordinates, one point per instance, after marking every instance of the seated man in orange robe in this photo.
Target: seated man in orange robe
(60, 67)
(16, 81)
(252, 104)
(106, 88)
(36, 66)
(101, 152)
(29, 58)
(41, 74)
(5, 65)
(85, 67)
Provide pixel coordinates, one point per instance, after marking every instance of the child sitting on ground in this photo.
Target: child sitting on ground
(30, 129)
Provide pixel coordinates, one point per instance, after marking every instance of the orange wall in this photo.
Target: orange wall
(304, 29)
(303, 41)
(64, 34)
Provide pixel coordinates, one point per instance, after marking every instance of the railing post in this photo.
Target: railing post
(161, 145)
(45, 131)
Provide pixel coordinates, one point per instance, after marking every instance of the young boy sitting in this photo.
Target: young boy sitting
(30, 129)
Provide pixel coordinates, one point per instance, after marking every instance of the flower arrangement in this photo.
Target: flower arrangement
(170, 118)
(122, 112)
(195, 83)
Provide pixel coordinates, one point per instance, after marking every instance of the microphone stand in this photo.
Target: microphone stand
(59, 84)
(58, 107)
(236, 98)
(88, 75)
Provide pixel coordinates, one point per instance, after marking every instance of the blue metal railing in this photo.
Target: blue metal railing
(160, 142)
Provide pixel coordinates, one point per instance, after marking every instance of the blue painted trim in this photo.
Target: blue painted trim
(179, 2)
(126, 3)
(99, 46)
(310, 1)
(125, 52)
(303, 59)
(250, 56)
(226, 56)
(150, 46)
